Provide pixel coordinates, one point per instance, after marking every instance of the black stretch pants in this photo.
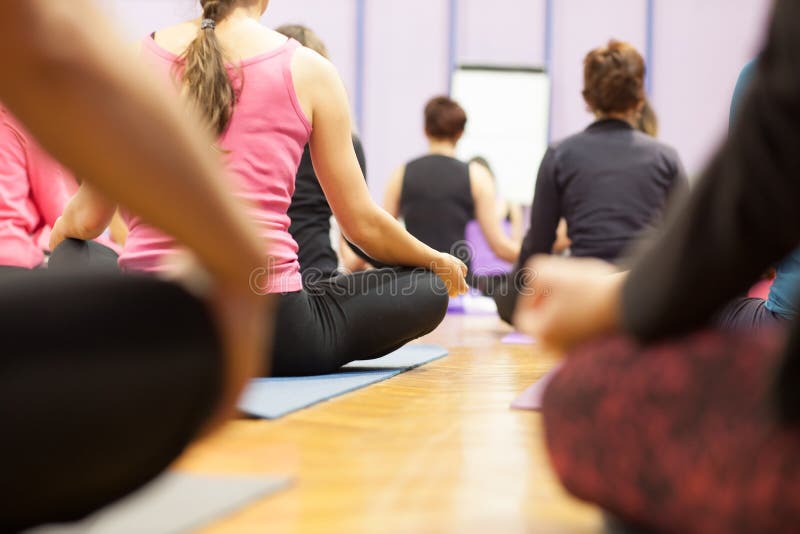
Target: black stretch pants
(747, 314)
(104, 379)
(355, 317)
(73, 254)
(332, 322)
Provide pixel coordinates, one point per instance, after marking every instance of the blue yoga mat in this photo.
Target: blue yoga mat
(270, 398)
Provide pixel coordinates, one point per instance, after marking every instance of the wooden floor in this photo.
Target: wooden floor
(433, 450)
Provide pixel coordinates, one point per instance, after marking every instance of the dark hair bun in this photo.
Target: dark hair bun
(613, 78)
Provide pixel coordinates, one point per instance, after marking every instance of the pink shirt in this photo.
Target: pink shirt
(33, 192)
(263, 145)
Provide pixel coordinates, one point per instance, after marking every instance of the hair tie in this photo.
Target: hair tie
(208, 24)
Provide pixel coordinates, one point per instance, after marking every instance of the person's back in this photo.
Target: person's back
(262, 150)
(437, 194)
(610, 182)
(614, 182)
(436, 202)
(257, 91)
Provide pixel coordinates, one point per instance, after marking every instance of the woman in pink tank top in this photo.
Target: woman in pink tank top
(34, 189)
(266, 97)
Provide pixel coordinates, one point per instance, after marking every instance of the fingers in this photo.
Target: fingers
(460, 288)
(463, 287)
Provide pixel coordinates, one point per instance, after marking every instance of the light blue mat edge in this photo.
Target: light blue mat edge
(380, 374)
(167, 505)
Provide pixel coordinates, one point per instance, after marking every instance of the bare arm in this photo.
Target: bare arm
(394, 189)
(362, 221)
(517, 222)
(483, 195)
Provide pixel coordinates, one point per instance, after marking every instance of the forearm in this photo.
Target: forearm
(144, 147)
(505, 249)
(383, 238)
(501, 245)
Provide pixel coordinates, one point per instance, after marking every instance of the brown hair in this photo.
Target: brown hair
(305, 36)
(613, 78)
(648, 120)
(444, 118)
(204, 73)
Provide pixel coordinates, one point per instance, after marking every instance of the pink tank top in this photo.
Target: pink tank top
(263, 145)
(33, 192)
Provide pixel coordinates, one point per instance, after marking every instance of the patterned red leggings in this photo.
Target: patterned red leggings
(678, 437)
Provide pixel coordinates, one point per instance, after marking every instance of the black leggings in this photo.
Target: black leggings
(747, 314)
(98, 392)
(355, 317)
(331, 322)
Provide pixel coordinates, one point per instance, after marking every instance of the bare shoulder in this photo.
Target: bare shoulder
(398, 174)
(318, 85)
(479, 175)
(176, 38)
(310, 67)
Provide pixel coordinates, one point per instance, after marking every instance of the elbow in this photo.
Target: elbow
(87, 225)
(361, 235)
(366, 233)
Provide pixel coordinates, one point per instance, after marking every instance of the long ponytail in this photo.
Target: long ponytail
(204, 74)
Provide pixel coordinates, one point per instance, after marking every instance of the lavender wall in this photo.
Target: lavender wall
(406, 60)
(335, 21)
(579, 26)
(505, 32)
(698, 48)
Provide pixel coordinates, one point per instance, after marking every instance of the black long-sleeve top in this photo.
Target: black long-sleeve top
(743, 215)
(610, 182)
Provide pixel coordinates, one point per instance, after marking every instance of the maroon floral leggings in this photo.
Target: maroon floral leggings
(677, 437)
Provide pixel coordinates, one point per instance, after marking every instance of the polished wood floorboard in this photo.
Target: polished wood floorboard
(433, 450)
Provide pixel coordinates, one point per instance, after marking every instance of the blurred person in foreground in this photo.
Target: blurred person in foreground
(666, 423)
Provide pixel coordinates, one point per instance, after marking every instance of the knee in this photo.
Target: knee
(432, 298)
(75, 254)
(69, 254)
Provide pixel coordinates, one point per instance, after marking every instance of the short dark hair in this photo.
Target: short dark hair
(444, 118)
(613, 78)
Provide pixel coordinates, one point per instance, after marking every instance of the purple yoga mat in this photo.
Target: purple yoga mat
(531, 398)
(517, 338)
(472, 304)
